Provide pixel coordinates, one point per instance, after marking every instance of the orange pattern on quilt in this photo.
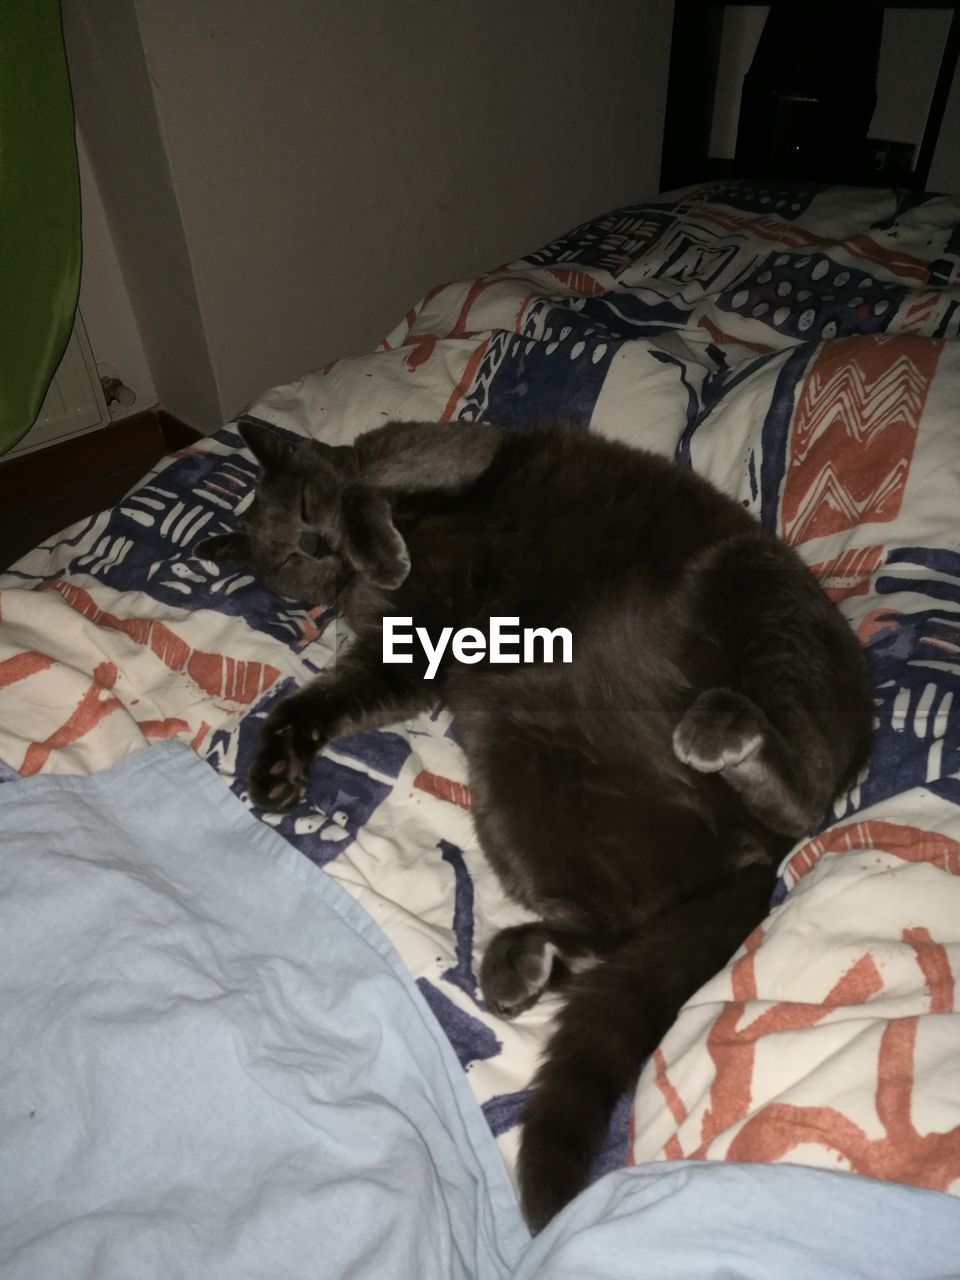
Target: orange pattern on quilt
(22, 665)
(848, 574)
(902, 1154)
(854, 431)
(95, 704)
(217, 674)
(443, 788)
(910, 844)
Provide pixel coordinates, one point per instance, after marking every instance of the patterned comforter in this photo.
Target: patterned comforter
(799, 347)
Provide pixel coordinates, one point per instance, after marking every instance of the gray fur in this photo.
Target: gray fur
(322, 515)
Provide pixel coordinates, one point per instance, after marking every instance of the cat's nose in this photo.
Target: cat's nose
(311, 543)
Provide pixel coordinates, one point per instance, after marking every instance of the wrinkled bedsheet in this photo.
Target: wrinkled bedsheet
(800, 349)
(213, 1063)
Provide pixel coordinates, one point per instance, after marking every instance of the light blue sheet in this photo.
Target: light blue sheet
(696, 1221)
(212, 1064)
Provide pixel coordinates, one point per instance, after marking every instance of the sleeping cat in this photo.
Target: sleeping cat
(636, 800)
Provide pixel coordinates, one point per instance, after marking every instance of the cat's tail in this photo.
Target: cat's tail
(615, 1016)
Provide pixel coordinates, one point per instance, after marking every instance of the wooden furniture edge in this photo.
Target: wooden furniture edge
(51, 473)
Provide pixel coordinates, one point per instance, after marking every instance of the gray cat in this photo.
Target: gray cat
(636, 799)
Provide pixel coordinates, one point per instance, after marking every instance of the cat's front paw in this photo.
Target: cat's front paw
(278, 776)
(721, 729)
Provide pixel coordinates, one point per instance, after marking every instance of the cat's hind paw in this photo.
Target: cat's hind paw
(516, 969)
(721, 729)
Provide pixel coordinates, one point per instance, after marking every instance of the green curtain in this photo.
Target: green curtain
(39, 210)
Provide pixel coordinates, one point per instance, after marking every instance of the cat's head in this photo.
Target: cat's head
(311, 523)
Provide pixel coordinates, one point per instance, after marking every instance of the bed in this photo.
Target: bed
(796, 345)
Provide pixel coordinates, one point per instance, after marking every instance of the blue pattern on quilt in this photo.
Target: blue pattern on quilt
(629, 313)
(784, 200)
(461, 974)
(610, 241)
(341, 798)
(472, 1040)
(383, 751)
(502, 1111)
(917, 735)
(775, 434)
(809, 297)
(558, 377)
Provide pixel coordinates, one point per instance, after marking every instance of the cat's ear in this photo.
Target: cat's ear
(371, 542)
(283, 451)
(272, 448)
(230, 547)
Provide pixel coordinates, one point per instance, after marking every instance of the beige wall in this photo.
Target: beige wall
(105, 300)
(117, 117)
(312, 166)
